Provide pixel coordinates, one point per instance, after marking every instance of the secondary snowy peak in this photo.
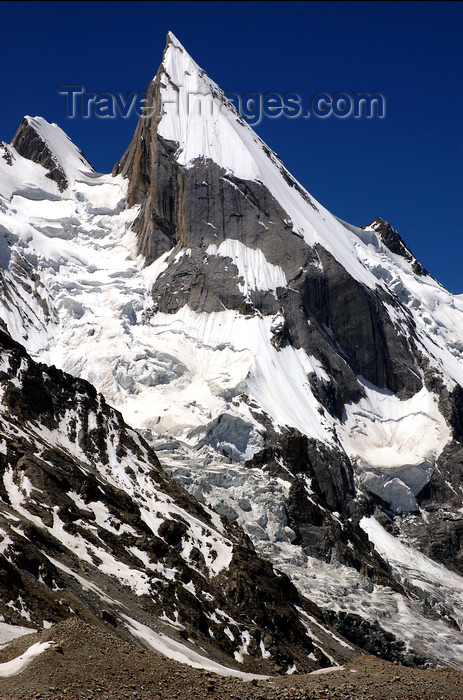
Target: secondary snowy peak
(47, 145)
(392, 239)
(56, 232)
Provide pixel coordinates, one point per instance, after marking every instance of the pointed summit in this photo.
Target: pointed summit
(175, 51)
(48, 145)
(172, 39)
(190, 120)
(174, 48)
(197, 115)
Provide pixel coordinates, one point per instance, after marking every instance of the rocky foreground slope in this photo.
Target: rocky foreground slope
(84, 662)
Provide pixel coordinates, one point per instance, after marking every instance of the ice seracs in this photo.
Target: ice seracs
(395, 443)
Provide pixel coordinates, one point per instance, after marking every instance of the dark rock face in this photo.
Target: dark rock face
(362, 328)
(6, 153)
(330, 471)
(375, 640)
(205, 283)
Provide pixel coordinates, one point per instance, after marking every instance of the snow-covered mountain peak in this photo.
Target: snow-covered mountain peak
(49, 146)
(175, 46)
(178, 64)
(171, 38)
(225, 229)
(197, 115)
(297, 372)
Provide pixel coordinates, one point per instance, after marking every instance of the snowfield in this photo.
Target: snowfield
(11, 668)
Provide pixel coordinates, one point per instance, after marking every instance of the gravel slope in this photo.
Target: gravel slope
(87, 662)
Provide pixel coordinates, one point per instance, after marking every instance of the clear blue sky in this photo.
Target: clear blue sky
(406, 168)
